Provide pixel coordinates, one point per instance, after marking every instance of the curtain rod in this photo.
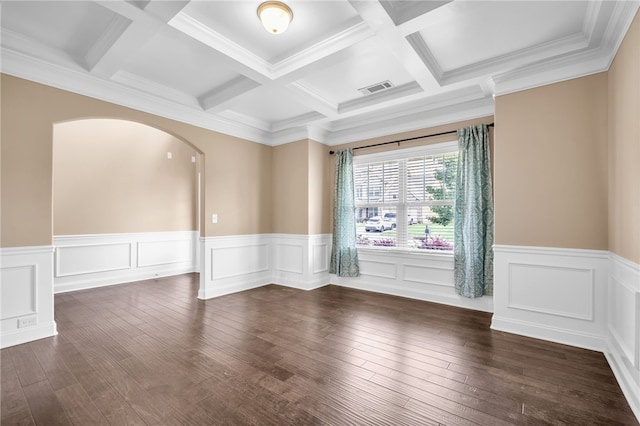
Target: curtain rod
(406, 140)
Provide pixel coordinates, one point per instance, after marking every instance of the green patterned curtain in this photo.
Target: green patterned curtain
(344, 254)
(473, 215)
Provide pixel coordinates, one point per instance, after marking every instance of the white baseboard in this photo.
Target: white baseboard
(26, 295)
(29, 334)
(422, 276)
(88, 261)
(623, 325)
(546, 332)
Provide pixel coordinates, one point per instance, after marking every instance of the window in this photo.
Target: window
(405, 198)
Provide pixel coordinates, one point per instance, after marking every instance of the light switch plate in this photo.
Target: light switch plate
(214, 218)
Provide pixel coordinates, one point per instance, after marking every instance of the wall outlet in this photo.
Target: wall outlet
(27, 322)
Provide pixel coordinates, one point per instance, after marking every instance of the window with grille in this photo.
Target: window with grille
(405, 198)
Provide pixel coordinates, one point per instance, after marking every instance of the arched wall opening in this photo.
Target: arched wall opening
(126, 202)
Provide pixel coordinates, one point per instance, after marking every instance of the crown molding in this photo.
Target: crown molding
(473, 109)
(424, 105)
(80, 82)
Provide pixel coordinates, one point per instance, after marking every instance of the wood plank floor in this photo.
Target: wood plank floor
(151, 353)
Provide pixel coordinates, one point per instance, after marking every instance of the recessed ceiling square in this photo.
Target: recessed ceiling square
(69, 26)
(270, 104)
(464, 33)
(313, 21)
(368, 63)
(181, 63)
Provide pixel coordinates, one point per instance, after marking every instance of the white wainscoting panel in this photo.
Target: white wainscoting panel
(87, 261)
(154, 253)
(551, 293)
(289, 257)
(234, 263)
(93, 258)
(623, 337)
(26, 293)
(19, 291)
(225, 264)
(418, 275)
(301, 261)
(530, 284)
(237, 263)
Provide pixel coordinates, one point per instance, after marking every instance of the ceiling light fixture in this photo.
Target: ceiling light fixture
(275, 16)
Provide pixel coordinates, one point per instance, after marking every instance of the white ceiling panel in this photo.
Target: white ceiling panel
(464, 33)
(71, 27)
(175, 61)
(212, 64)
(270, 104)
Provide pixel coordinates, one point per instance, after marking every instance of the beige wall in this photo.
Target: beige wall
(415, 133)
(236, 181)
(320, 189)
(113, 176)
(624, 147)
(301, 188)
(551, 165)
(291, 188)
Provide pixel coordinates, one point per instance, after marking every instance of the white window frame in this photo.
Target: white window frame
(405, 154)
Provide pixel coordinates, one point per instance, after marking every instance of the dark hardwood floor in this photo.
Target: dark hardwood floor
(151, 353)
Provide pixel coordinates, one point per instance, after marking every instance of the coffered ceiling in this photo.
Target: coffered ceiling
(212, 64)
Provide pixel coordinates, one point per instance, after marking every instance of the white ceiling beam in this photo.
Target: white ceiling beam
(165, 10)
(356, 33)
(224, 97)
(392, 38)
(423, 20)
(128, 34)
(301, 120)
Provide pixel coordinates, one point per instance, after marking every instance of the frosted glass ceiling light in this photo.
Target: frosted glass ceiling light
(275, 16)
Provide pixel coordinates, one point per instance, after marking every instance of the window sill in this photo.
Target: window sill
(443, 254)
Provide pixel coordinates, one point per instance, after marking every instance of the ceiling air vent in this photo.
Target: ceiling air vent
(374, 88)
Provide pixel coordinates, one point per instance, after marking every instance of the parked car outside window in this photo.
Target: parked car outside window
(389, 221)
(374, 223)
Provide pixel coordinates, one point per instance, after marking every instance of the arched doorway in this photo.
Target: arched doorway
(126, 202)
